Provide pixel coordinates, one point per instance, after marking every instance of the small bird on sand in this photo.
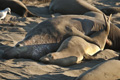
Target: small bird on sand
(4, 12)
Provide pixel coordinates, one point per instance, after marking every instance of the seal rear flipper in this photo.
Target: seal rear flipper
(30, 14)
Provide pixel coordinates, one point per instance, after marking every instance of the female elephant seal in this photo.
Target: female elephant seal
(16, 6)
(47, 36)
(71, 7)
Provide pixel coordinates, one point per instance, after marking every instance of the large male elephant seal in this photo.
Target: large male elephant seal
(16, 6)
(71, 7)
(109, 70)
(48, 35)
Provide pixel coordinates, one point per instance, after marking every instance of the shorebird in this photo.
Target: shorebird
(4, 12)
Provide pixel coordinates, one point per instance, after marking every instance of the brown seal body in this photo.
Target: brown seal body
(71, 7)
(47, 36)
(109, 70)
(16, 6)
(75, 48)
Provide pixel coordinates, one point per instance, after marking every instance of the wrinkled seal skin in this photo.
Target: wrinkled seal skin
(16, 6)
(56, 30)
(71, 7)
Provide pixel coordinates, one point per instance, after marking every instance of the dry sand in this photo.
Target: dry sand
(14, 28)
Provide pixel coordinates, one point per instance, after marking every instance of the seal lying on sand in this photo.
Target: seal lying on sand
(109, 70)
(48, 35)
(75, 48)
(78, 7)
(16, 6)
(71, 7)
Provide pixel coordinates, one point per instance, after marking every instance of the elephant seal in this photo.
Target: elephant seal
(16, 6)
(71, 7)
(75, 48)
(51, 33)
(109, 70)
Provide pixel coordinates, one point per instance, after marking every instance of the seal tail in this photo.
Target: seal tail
(107, 22)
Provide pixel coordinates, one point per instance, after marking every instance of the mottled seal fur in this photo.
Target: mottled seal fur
(16, 6)
(71, 7)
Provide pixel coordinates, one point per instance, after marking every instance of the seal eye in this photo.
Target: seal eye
(50, 56)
